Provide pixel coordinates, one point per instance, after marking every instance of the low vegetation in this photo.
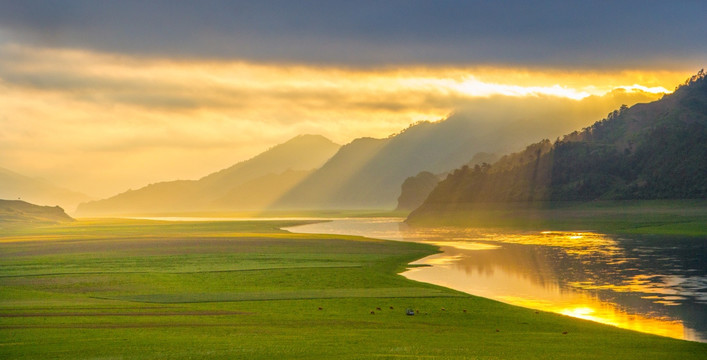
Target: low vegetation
(143, 289)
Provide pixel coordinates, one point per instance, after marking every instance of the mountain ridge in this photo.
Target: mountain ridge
(656, 150)
(367, 173)
(301, 153)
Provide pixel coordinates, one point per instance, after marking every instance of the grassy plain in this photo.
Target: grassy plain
(137, 289)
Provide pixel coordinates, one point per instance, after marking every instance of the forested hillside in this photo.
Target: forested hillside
(648, 151)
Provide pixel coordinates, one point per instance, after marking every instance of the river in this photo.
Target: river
(651, 284)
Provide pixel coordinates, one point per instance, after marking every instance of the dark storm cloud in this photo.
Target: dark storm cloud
(563, 33)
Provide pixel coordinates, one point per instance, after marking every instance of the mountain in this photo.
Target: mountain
(261, 192)
(16, 186)
(367, 172)
(656, 150)
(304, 152)
(17, 212)
(415, 189)
(239, 187)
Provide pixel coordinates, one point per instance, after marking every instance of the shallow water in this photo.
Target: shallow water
(645, 283)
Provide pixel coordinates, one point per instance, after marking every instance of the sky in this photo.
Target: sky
(102, 96)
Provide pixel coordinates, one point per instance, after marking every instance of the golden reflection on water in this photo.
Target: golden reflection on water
(464, 245)
(646, 284)
(575, 243)
(589, 308)
(501, 275)
(580, 274)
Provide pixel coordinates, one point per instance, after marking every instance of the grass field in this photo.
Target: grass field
(133, 289)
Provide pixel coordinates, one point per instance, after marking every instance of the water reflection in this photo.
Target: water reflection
(647, 284)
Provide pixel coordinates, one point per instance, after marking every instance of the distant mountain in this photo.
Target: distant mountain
(239, 187)
(17, 213)
(367, 173)
(648, 151)
(261, 192)
(304, 152)
(38, 191)
(415, 189)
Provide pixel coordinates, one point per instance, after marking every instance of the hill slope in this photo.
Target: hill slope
(367, 173)
(415, 189)
(17, 212)
(16, 186)
(216, 191)
(261, 192)
(649, 151)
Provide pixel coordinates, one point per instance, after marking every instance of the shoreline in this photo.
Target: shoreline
(431, 270)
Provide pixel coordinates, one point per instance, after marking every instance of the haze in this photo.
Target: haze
(100, 100)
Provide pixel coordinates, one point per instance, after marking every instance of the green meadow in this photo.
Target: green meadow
(138, 289)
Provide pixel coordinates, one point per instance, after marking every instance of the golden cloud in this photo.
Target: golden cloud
(105, 122)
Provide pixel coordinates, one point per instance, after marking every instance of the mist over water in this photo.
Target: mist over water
(651, 284)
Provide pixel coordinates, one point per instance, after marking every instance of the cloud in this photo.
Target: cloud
(106, 122)
(511, 123)
(550, 33)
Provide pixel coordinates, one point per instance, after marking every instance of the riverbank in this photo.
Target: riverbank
(644, 283)
(149, 289)
(659, 217)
